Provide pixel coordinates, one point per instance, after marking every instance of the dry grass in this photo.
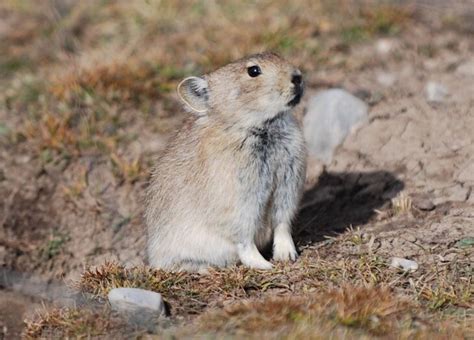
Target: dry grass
(188, 293)
(349, 311)
(71, 322)
(402, 204)
(373, 309)
(130, 80)
(129, 171)
(355, 296)
(435, 288)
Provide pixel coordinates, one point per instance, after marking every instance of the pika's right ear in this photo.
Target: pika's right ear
(193, 91)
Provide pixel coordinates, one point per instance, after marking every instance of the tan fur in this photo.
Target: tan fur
(232, 174)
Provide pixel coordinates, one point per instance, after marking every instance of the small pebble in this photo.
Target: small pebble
(407, 265)
(384, 46)
(424, 204)
(435, 92)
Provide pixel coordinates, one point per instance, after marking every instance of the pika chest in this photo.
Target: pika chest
(270, 154)
(272, 141)
(270, 151)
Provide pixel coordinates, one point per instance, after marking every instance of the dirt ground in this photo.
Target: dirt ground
(401, 185)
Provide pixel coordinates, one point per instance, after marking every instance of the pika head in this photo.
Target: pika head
(254, 88)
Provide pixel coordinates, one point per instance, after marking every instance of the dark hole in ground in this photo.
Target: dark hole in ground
(341, 200)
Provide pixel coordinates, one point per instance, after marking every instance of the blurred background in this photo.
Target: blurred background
(87, 101)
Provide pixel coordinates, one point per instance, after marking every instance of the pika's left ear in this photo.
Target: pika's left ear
(193, 91)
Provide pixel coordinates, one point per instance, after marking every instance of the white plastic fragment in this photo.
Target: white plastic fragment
(401, 263)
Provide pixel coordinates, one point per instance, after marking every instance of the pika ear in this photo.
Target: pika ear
(193, 91)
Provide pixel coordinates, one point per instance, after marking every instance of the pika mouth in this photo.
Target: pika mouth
(296, 99)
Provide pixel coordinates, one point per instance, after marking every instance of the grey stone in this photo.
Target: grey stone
(139, 304)
(435, 92)
(424, 204)
(401, 263)
(331, 115)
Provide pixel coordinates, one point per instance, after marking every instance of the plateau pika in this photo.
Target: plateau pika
(230, 180)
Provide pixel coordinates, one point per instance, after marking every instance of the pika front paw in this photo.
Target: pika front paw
(259, 264)
(285, 252)
(283, 245)
(251, 257)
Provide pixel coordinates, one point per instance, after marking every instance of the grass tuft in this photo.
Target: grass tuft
(353, 311)
(132, 80)
(401, 204)
(70, 322)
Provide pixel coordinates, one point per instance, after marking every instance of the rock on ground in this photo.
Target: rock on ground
(407, 265)
(139, 305)
(435, 92)
(330, 117)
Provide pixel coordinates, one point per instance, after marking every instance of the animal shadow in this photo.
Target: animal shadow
(341, 200)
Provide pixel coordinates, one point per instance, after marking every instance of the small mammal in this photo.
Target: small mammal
(230, 180)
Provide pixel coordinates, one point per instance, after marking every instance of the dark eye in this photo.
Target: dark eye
(254, 71)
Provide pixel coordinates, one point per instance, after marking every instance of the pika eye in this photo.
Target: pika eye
(254, 71)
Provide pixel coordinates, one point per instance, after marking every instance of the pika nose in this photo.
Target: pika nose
(296, 79)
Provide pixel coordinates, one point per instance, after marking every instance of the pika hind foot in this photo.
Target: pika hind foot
(283, 245)
(251, 257)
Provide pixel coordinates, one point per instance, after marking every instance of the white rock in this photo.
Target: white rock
(135, 300)
(385, 79)
(384, 46)
(331, 115)
(435, 92)
(407, 265)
